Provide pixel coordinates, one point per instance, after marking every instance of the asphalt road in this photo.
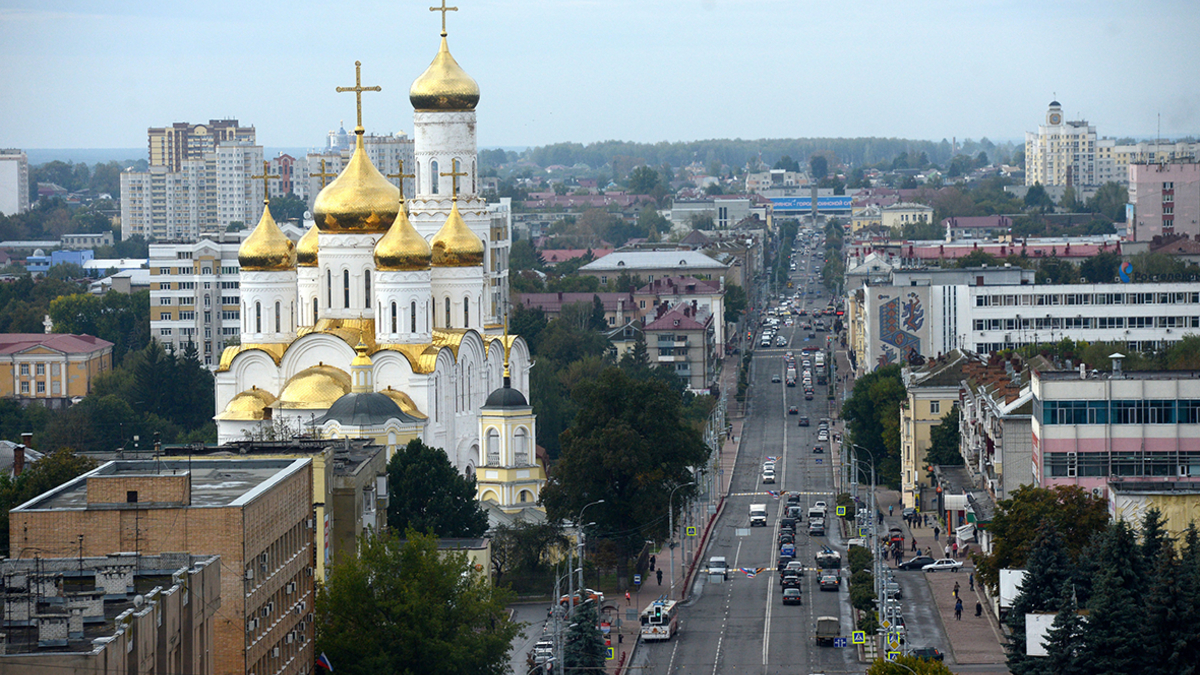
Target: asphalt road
(741, 625)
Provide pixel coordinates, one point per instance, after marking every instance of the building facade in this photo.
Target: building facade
(1113, 159)
(1060, 152)
(181, 142)
(14, 182)
(195, 294)
(682, 338)
(51, 368)
(933, 390)
(255, 514)
(896, 216)
(1165, 200)
(995, 423)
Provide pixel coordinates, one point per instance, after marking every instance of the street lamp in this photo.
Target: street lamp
(579, 538)
(671, 535)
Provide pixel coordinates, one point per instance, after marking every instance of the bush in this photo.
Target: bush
(858, 559)
(862, 597)
(863, 578)
(868, 623)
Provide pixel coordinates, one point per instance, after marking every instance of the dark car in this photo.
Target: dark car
(794, 498)
(782, 564)
(793, 410)
(803, 421)
(917, 563)
(776, 378)
(791, 596)
(808, 396)
(785, 538)
(816, 529)
(928, 654)
(790, 579)
(788, 522)
(818, 448)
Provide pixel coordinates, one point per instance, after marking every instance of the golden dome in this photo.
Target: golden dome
(455, 245)
(404, 401)
(360, 199)
(402, 249)
(249, 405)
(267, 249)
(444, 86)
(361, 358)
(306, 248)
(314, 388)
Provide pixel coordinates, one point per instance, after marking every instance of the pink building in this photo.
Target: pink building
(1092, 429)
(1165, 199)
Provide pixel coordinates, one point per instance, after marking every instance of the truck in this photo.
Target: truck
(828, 629)
(758, 515)
(1010, 588)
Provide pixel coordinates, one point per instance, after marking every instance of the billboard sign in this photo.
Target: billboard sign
(830, 203)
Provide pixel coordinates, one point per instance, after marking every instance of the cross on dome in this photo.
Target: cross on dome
(443, 9)
(323, 175)
(454, 173)
(401, 176)
(266, 175)
(358, 89)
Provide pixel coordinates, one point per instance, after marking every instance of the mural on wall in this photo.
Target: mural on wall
(914, 314)
(894, 317)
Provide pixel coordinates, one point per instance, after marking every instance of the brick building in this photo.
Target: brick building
(255, 513)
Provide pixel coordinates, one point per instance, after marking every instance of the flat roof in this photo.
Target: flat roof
(215, 482)
(1126, 375)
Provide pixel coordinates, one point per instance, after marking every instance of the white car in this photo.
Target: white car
(769, 477)
(819, 505)
(943, 564)
(823, 436)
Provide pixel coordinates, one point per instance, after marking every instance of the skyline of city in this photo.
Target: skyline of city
(554, 72)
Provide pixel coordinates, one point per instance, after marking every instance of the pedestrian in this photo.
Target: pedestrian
(890, 507)
(928, 552)
(978, 608)
(956, 589)
(628, 598)
(914, 544)
(954, 548)
(947, 551)
(652, 561)
(936, 532)
(880, 516)
(958, 610)
(659, 575)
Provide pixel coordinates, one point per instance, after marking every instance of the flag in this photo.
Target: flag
(749, 572)
(773, 494)
(323, 662)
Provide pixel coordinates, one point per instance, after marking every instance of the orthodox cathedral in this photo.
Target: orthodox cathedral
(384, 321)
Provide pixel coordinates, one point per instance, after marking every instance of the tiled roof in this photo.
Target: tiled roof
(679, 285)
(679, 318)
(641, 260)
(15, 343)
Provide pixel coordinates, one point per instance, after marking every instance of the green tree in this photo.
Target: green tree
(528, 322)
(583, 648)
(1070, 202)
(1110, 199)
(907, 665)
(1037, 199)
(1112, 634)
(630, 446)
(643, 180)
(977, 259)
(524, 546)
(288, 207)
(872, 416)
(406, 607)
(1073, 512)
(1100, 268)
(735, 302)
(524, 256)
(429, 495)
(1055, 270)
(1047, 571)
(1065, 646)
(819, 167)
(944, 441)
(54, 469)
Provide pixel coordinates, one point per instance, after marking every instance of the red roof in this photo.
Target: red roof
(679, 318)
(679, 285)
(15, 343)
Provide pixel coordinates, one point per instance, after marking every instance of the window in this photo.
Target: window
(314, 315)
(346, 289)
(258, 317)
(40, 369)
(521, 449)
(277, 316)
(493, 448)
(433, 177)
(164, 332)
(164, 301)
(367, 288)
(393, 317)
(164, 316)
(413, 317)
(24, 387)
(447, 312)
(935, 407)
(41, 387)
(466, 313)
(328, 289)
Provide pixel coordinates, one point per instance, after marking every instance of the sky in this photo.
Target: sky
(97, 74)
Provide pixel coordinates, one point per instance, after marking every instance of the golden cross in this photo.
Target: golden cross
(401, 176)
(323, 175)
(443, 9)
(358, 89)
(454, 173)
(265, 176)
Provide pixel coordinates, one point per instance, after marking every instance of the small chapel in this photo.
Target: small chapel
(380, 322)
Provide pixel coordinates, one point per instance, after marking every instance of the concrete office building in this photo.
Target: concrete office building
(14, 182)
(1165, 200)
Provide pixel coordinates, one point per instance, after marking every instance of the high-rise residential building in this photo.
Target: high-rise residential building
(195, 295)
(172, 146)
(1060, 152)
(1113, 159)
(14, 182)
(1165, 199)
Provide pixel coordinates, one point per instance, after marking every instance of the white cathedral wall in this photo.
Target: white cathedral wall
(404, 288)
(313, 349)
(347, 261)
(308, 288)
(268, 306)
(463, 287)
(441, 137)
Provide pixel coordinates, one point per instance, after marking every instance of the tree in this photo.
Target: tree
(1069, 202)
(406, 607)
(630, 446)
(1100, 268)
(583, 648)
(53, 470)
(1055, 270)
(1110, 199)
(643, 180)
(735, 302)
(905, 665)
(1185, 354)
(872, 416)
(528, 322)
(429, 495)
(524, 256)
(1037, 199)
(1065, 647)
(944, 441)
(1112, 634)
(1047, 571)
(524, 546)
(1074, 513)
(786, 163)
(818, 166)
(978, 258)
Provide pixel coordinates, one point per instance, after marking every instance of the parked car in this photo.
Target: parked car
(916, 563)
(943, 564)
(588, 594)
(928, 654)
(791, 596)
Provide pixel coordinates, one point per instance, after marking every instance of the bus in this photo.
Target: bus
(660, 620)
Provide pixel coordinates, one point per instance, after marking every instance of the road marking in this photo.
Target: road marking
(671, 665)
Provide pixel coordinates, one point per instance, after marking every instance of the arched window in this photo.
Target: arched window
(434, 178)
(493, 448)
(413, 317)
(473, 188)
(315, 312)
(346, 288)
(367, 289)
(328, 289)
(278, 311)
(466, 312)
(521, 447)
(447, 312)
(524, 496)
(393, 317)
(258, 317)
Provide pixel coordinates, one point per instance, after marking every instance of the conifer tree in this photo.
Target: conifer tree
(1112, 634)
(1155, 540)
(1065, 647)
(1166, 612)
(583, 649)
(1047, 571)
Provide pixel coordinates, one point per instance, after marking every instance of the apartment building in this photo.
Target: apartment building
(172, 146)
(932, 391)
(195, 294)
(1165, 199)
(682, 338)
(1060, 152)
(705, 294)
(118, 613)
(14, 181)
(896, 216)
(51, 368)
(386, 152)
(1113, 159)
(995, 420)
(256, 514)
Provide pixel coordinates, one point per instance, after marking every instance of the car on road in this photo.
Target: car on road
(803, 421)
(820, 504)
(790, 579)
(780, 341)
(791, 596)
(916, 563)
(785, 538)
(830, 581)
(909, 512)
(816, 528)
(787, 551)
(928, 654)
(793, 498)
(943, 564)
(822, 435)
(818, 449)
(808, 395)
(768, 477)
(588, 594)
(776, 378)
(717, 565)
(793, 410)
(795, 566)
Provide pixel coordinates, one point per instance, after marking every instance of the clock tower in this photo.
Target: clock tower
(1054, 114)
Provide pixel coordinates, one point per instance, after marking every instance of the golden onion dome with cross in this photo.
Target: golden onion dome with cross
(402, 249)
(455, 245)
(444, 86)
(306, 248)
(267, 249)
(359, 200)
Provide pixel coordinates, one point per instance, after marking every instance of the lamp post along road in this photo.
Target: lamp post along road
(671, 534)
(579, 540)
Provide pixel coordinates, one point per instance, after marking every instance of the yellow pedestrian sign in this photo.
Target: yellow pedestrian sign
(691, 531)
(858, 637)
(612, 653)
(841, 511)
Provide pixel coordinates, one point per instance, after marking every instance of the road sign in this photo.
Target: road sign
(839, 642)
(691, 531)
(818, 460)
(611, 653)
(886, 624)
(637, 579)
(858, 637)
(841, 511)
(893, 656)
(894, 644)
(605, 627)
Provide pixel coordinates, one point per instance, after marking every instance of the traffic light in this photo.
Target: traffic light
(657, 611)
